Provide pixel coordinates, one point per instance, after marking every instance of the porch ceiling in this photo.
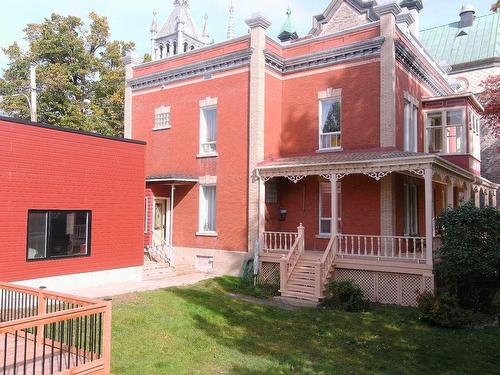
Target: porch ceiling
(172, 179)
(376, 164)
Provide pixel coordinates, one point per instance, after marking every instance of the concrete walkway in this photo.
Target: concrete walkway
(115, 289)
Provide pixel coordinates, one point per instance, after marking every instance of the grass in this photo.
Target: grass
(200, 330)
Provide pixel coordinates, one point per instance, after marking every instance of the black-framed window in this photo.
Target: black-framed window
(58, 234)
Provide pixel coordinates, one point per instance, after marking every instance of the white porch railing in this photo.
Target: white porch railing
(293, 256)
(390, 247)
(278, 241)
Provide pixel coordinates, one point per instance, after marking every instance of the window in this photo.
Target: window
(325, 207)
(271, 192)
(475, 124)
(162, 118)
(445, 131)
(208, 131)
(58, 234)
(330, 124)
(410, 209)
(207, 209)
(410, 130)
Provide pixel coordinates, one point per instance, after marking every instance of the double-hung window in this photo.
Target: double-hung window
(325, 207)
(410, 208)
(330, 123)
(475, 124)
(208, 131)
(207, 209)
(58, 234)
(410, 131)
(446, 131)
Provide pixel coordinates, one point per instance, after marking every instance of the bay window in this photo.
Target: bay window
(330, 126)
(446, 131)
(58, 234)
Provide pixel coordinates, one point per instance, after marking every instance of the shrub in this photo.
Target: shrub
(469, 266)
(443, 310)
(344, 295)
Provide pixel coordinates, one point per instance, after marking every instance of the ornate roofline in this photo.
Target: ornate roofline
(214, 65)
(331, 56)
(411, 63)
(361, 6)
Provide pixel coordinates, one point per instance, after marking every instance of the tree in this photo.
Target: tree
(80, 74)
(490, 98)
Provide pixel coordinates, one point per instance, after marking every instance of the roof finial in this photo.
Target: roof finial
(154, 24)
(288, 31)
(206, 34)
(231, 27)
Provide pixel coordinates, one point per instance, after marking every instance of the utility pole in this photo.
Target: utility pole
(33, 107)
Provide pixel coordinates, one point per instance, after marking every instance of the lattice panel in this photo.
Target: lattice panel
(410, 288)
(269, 273)
(388, 288)
(428, 283)
(365, 279)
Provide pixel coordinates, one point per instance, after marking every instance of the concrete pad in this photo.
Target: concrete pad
(114, 289)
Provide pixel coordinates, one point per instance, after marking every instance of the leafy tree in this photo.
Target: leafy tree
(490, 98)
(469, 258)
(332, 122)
(80, 74)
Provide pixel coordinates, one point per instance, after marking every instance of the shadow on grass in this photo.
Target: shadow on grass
(309, 341)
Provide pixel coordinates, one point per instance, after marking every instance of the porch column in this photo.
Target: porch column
(262, 213)
(467, 193)
(335, 207)
(449, 194)
(494, 198)
(428, 214)
(477, 194)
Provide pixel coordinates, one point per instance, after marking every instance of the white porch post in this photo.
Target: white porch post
(494, 199)
(477, 193)
(449, 194)
(468, 193)
(335, 209)
(262, 213)
(428, 214)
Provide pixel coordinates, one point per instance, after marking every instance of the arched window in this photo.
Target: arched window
(168, 49)
(185, 46)
(175, 47)
(161, 51)
(192, 47)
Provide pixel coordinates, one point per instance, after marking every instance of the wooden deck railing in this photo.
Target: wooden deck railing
(291, 259)
(278, 241)
(382, 247)
(43, 332)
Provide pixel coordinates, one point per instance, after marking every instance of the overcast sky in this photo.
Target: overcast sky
(130, 20)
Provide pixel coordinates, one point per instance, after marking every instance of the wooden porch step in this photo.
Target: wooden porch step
(300, 288)
(299, 295)
(300, 277)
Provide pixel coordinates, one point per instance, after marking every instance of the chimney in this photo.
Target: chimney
(414, 7)
(467, 16)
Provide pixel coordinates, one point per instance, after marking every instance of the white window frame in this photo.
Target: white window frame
(475, 143)
(203, 214)
(410, 126)
(162, 118)
(410, 212)
(337, 134)
(325, 187)
(444, 125)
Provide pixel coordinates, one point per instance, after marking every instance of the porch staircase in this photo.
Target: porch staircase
(305, 274)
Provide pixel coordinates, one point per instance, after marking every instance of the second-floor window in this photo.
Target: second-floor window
(475, 124)
(208, 131)
(446, 131)
(410, 130)
(330, 124)
(162, 118)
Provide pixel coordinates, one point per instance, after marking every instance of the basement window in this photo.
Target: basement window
(58, 234)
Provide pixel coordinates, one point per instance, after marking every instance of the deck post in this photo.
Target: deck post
(106, 340)
(334, 202)
(41, 310)
(301, 231)
(428, 214)
(283, 276)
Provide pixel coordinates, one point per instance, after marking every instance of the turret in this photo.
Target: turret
(288, 31)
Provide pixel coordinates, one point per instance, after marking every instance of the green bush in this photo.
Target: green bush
(443, 310)
(344, 295)
(468, 266)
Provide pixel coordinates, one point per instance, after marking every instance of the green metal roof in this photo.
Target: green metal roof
(479, 41)
(288, 25)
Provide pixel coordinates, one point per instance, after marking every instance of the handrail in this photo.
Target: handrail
(165, 256)
(295, 253)
(328, 258)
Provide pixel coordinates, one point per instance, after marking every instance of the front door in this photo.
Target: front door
(161, 221)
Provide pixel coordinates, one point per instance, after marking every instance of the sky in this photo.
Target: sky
(130, 20)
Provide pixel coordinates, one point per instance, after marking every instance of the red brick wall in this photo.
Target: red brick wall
(175, 150)
(273, 121)
(42, 168)
(360, 109)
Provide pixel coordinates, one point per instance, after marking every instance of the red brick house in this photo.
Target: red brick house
(323, 156)
(71, 207)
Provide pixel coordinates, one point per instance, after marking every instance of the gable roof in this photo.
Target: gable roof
(456, 45)
(180, 12)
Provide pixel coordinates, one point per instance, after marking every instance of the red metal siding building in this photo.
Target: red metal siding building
(48, 168)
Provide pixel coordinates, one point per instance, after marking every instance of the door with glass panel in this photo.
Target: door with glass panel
(161, 231)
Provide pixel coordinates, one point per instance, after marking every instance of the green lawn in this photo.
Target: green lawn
(200, 330)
